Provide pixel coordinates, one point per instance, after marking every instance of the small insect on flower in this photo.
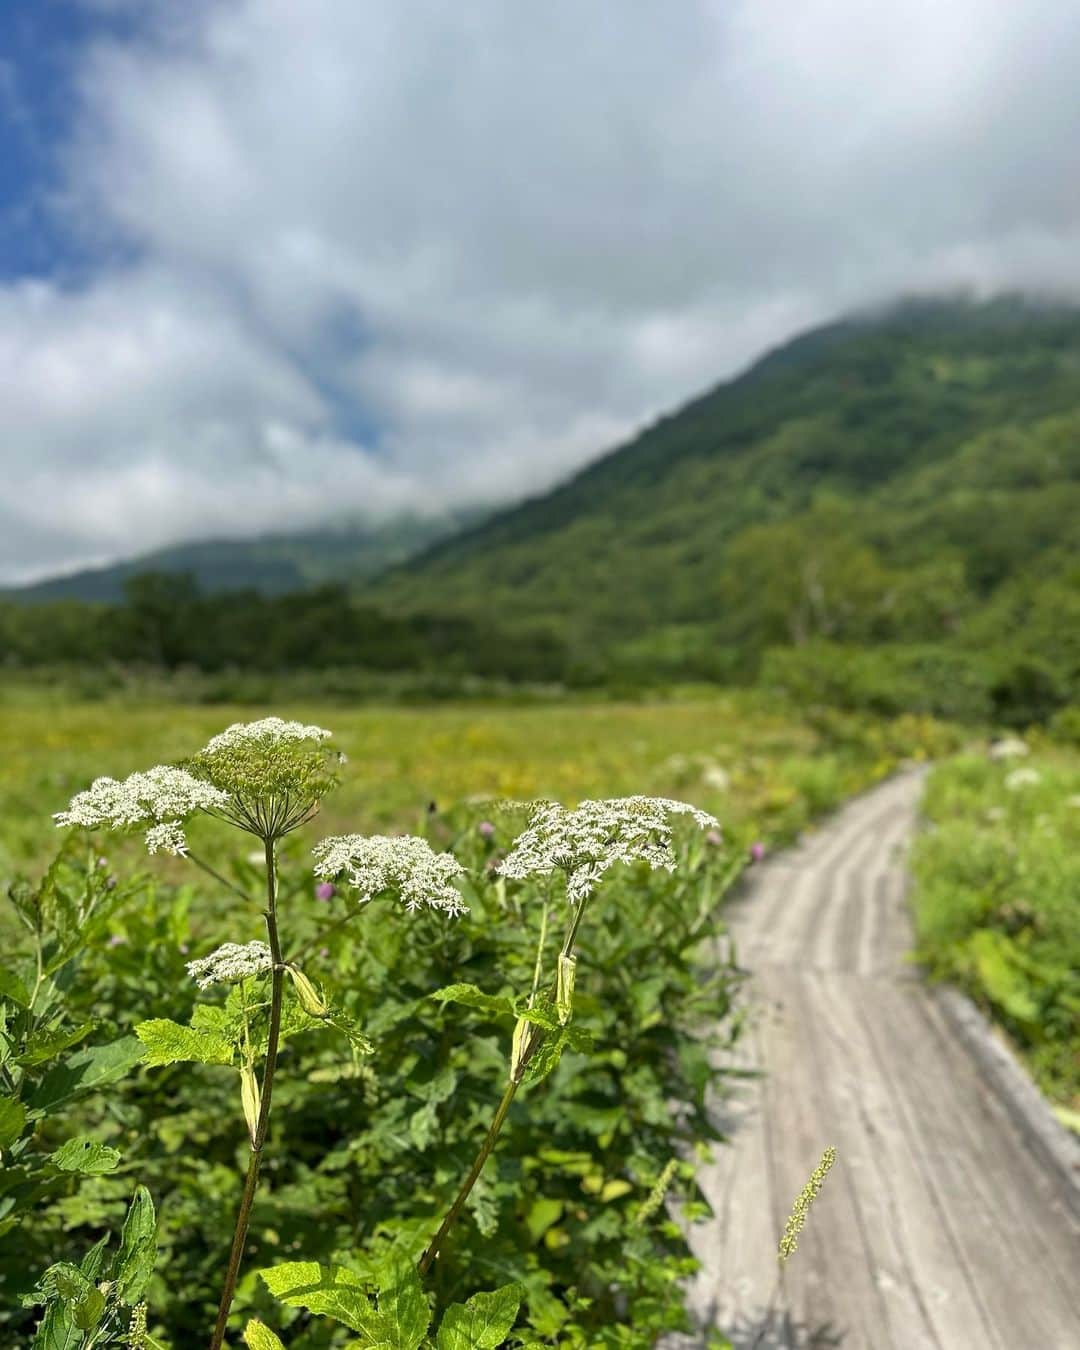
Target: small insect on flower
(402, 864)
(233, 961)
(586, 841)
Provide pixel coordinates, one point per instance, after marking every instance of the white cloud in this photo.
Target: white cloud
(504, 236)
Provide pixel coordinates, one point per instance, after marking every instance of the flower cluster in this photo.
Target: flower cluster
(402, 863)
(265, 731)
(801, 1209)
(162, 797)
(233, 961)
(586, 841)
(274, 772)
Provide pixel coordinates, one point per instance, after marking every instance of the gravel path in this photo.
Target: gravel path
(951, 1220)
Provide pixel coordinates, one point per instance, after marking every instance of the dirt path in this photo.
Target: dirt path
(950, 1221)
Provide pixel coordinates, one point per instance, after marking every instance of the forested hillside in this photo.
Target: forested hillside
(271, 565)
(884, 513)
(906, 478)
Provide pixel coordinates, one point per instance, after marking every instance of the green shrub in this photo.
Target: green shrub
(997, 876)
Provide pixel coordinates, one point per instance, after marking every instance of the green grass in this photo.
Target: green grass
(781, 769)
(997, 900)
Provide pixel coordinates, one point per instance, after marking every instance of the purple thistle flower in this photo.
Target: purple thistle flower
(757, 851)
(325, 890)
(485, 829)
(714, 837)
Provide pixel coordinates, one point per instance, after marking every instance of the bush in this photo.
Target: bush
(887, 680)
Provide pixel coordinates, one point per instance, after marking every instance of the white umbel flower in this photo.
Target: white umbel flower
(266, 731)
(233, 961)
(161, 797)
(586, 841)
(168, 837)
(406, 864)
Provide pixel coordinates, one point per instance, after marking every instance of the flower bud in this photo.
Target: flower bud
(251, 1099)
(310, 1000)
(518, 1047)
(564, 988)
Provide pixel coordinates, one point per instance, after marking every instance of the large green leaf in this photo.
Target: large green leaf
(331, 1291)
(402, 1306)
(84, 1154)
(134, 1262)
(57, 1330)
(472, 997)
(168, 1042)
(46, 1045)
(12, 1120)
(85, 1302)
(483, 1323)
(85, 1071)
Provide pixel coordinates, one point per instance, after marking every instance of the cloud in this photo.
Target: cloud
(360, 255)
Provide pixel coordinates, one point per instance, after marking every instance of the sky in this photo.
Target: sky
(266, 264)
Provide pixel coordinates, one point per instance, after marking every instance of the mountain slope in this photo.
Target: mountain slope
(877, 479)
(272, 565)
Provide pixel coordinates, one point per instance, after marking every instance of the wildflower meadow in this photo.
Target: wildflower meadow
(279, 1071)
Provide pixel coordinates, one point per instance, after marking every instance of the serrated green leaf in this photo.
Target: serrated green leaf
(547, 1056)
(83, 1300)
(12, 988)
(541, 1014)
(46, 1045)
(85, 1071)
(331, 1291)
(134, 1262)
(258, 1336)
(483, 1323)
(168, 1042)
(212, 1017)
(84, 1154)
(12, 1120)
(402, 1306)
(472, 997)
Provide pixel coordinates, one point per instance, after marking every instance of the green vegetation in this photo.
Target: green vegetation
(911, 479)
(997, 879)
(366, 1150)
(269, 565)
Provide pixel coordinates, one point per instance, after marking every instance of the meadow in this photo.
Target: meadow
(766, 768)
(996, 900)
(381, 1103)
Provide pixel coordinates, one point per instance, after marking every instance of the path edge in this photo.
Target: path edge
(1056, 1147)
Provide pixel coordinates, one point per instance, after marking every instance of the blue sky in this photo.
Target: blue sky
(266, 264)
(40, 46)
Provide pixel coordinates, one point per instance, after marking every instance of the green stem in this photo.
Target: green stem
(575, 924)
(538, 970)
(210, 871)
(324, 933)
(262, 1125)
(495, 1127)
